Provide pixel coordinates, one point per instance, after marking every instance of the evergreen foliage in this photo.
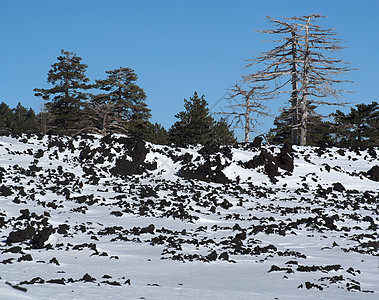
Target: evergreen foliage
(65, 100)
(318, 131)
(222, 134)
(196, 125)
(123, 101)
(359, 127)
(156, 134)
(18, 120)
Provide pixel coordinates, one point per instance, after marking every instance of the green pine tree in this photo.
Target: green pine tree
(23, 120)
(359, 127)
(125, 101)
(6, 116)
(195, 124)
(318, 131)
(156, 134)
(222, 134)
(66, 98)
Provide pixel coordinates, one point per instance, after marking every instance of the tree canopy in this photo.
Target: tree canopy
(65, 100)
(196, 125)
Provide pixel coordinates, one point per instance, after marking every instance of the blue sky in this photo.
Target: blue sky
(175, 47)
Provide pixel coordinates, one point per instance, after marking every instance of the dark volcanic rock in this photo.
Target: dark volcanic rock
(205, 173)
(338, 187)
(87, 278)
(373, 173)
(210, 149)
(135, 148)
(285, 157)
(21, 235)
(42, 236)
(5, 191)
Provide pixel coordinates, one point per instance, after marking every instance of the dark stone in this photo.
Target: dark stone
(54, 261)
(26, 257)
(16, 249)
(38, 154)
(224, 256)
(338, 187)
(19, 288)
(87, 278)
(42, 236)
(5, 191)
(149, 229)
(21, 235)
(57, 281)
(205, 173)
(210, 149)
(137, 151)
(212, 256)
(63, 228)
(285, 158)
(147, 191)
(373, 173)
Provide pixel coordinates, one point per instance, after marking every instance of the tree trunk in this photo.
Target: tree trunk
(247, 121)
(294, 100)
(304, 101)
(43, 120)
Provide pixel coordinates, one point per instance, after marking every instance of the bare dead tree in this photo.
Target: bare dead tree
(319, 70)
(103, 118)
(280, 63)
(301, 66)
(251, 103)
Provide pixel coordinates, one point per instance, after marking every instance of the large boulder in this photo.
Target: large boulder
(373, 173)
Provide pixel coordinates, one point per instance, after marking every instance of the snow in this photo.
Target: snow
(144, 269)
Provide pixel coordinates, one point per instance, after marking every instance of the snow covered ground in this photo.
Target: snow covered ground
(92, 218)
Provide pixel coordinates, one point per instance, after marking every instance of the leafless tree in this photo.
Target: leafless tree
(301, 66)
(250, 103)
(103, 118)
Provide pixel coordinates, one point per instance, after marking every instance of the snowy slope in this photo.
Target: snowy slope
(113, 218)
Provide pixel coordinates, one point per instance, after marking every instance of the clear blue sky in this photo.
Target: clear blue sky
(175, 47)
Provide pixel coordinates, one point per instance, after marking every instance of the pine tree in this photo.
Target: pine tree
(5, 118)
(124, 101)
(18, 120)
(318, 133)
(66, 98)
(156, 134)
(222, 134)
(194, 125)
(23, 120)
(359, 127)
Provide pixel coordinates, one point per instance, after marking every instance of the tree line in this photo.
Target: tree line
(302, 65)
(116, 104)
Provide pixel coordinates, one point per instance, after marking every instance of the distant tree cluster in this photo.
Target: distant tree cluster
(117, 104)
(17, 120)
(357, 128)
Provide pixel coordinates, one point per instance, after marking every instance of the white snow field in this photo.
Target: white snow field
(113, 218)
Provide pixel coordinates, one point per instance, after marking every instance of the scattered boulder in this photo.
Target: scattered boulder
(5, 191)
(21, 235)
(373, 173)
(337, 186)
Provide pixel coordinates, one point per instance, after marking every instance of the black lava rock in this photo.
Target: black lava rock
(373, 173)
